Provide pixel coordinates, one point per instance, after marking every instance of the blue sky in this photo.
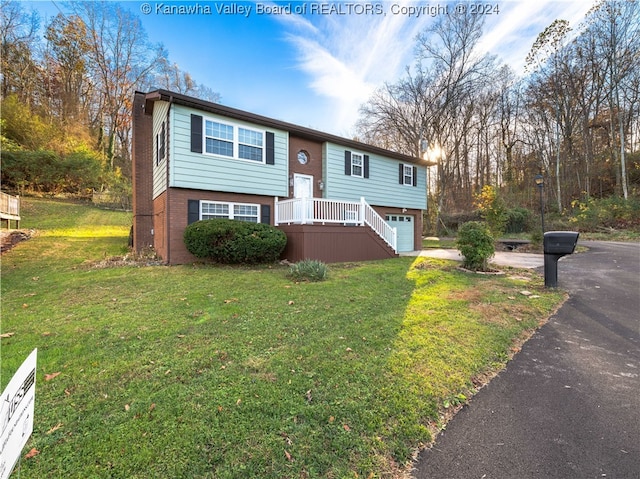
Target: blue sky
(315, 69)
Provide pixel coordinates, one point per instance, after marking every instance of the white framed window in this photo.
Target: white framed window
(407, 175)
(357, 165)
(233, 141)
(250, 144)
(210, 210)
(233, 211)
(218, 138)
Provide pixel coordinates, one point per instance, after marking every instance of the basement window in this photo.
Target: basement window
(233, 211)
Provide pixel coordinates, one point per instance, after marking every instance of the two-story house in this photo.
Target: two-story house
(336, 199)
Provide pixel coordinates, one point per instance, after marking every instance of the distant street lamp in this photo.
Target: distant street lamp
(539, 179)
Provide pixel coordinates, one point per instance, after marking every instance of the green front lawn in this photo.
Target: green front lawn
(236, 372)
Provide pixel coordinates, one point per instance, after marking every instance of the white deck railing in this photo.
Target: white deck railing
(9, 207)
(320, 210)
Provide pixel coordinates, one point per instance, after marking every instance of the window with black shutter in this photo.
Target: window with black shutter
(270, 148)
(163, 141)
(356, 164)
(408, 175)
(265, 214)
(196, 133)
(193, 211)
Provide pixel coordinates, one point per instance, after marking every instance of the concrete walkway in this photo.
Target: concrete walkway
(515, 260)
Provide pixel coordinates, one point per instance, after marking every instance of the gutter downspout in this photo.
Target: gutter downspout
(168, 203)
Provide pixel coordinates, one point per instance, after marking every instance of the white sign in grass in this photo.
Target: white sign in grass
(16, 414)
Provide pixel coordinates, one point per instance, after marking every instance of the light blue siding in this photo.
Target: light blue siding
(217, 173)
(382, 188)
(159, 170)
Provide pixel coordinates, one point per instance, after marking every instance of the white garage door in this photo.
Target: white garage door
(405, 226)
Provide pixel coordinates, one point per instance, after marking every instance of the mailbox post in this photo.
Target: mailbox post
(556, 245)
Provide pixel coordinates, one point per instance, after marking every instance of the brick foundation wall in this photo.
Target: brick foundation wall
(176, 212)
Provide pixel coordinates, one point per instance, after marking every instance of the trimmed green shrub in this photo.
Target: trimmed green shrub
(234, 242)
(476, 245)
(308, 270)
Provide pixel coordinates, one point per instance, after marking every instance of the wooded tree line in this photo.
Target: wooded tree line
(67, 87)
(573, 117)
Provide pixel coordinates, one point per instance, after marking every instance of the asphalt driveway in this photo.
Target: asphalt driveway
(568, 405)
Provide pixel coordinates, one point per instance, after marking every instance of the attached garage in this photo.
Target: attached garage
(405, 225)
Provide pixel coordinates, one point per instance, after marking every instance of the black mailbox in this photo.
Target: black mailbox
(556, 245)
(560, 242)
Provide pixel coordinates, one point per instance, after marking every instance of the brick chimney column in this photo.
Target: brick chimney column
(142, 166)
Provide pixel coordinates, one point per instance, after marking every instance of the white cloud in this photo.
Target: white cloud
(347, 57)
(330, 76)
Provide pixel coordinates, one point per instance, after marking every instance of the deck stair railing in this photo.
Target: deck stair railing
(324, 211)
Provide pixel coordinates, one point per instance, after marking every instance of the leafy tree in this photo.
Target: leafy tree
(121, 57)
(615, 29)
(7, 144)
(22, 126)
(492, 209)
(548, 50)
(18, 37)
(169, 76)
(67, 37)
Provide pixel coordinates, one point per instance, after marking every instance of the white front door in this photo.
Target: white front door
(303, 188)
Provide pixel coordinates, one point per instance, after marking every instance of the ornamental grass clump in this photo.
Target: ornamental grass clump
(308, 270)
(476, 245)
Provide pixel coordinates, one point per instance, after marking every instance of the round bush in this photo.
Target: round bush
(476, 245)
(234, 242)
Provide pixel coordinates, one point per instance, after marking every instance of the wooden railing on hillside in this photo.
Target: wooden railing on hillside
(10, 209)
(323, 211)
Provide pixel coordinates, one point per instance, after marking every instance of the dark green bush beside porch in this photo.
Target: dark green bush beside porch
(234, 242)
